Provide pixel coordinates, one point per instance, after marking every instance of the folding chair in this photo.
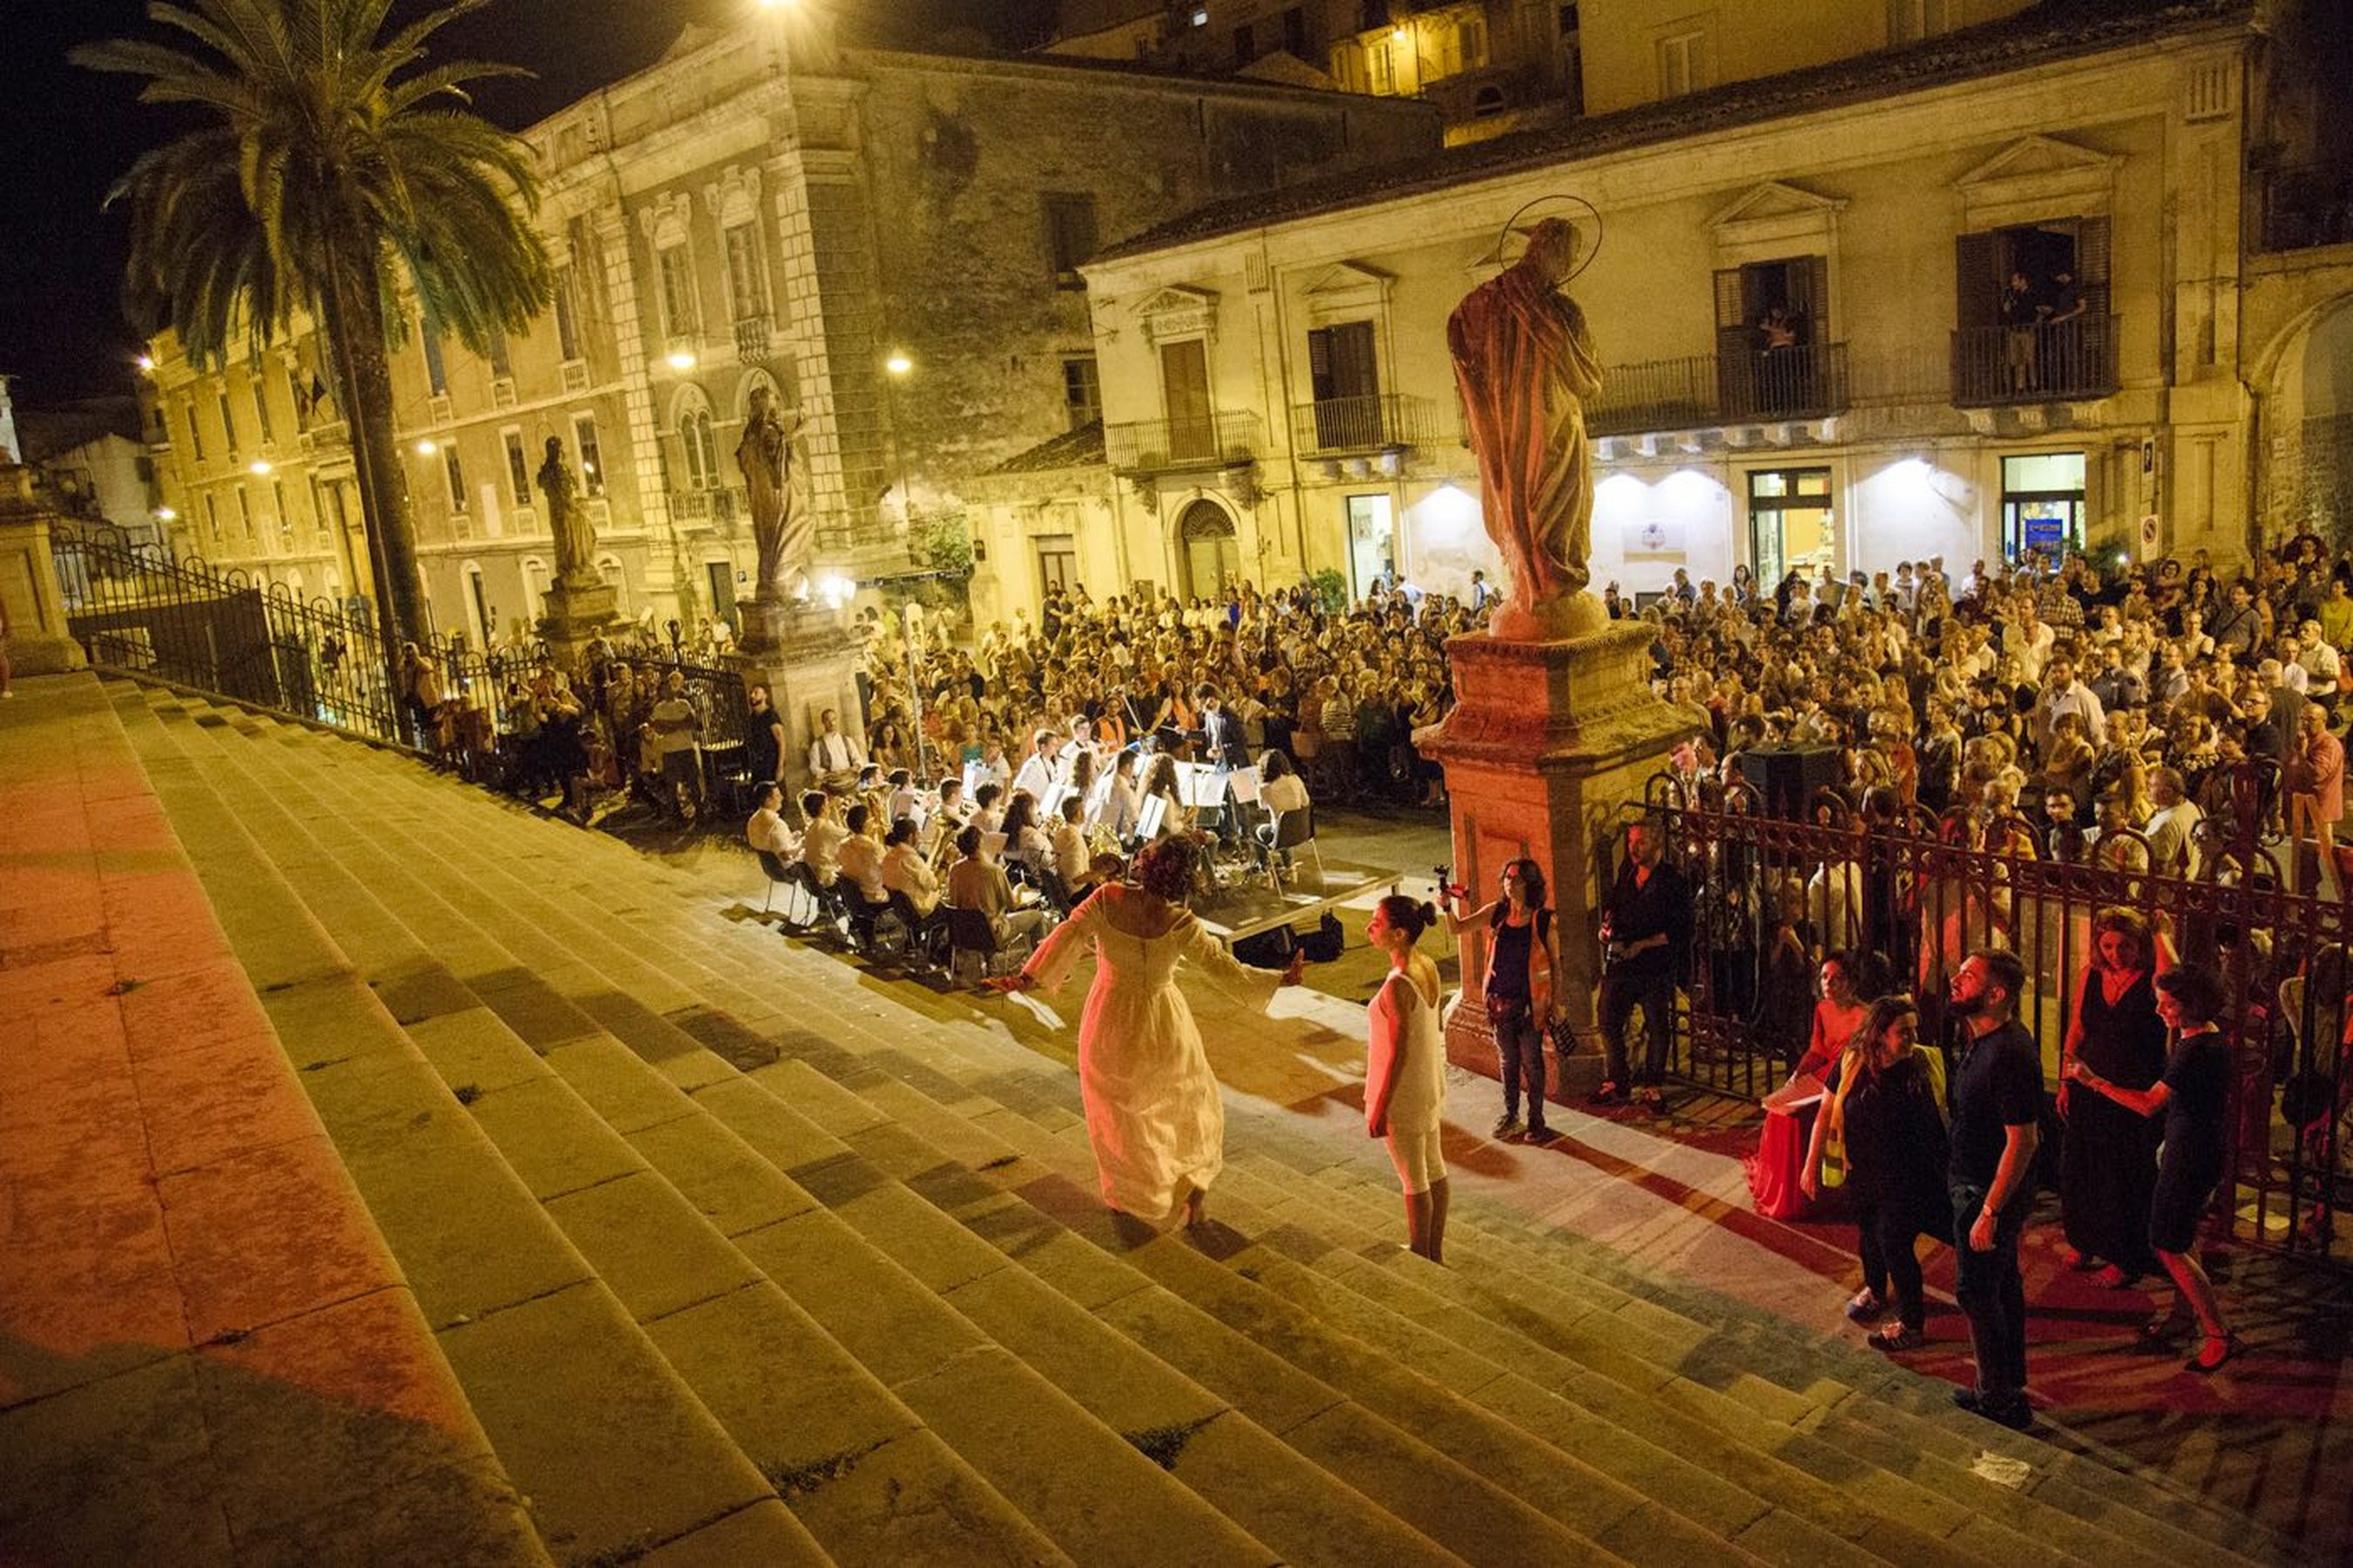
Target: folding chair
(1296, 830)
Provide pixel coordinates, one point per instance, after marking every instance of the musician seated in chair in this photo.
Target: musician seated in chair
(1282, 791)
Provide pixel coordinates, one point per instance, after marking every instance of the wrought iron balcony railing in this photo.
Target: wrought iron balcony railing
(721, 507)
(1160, 445)
(755, 338)
(1336, 425)
(1732, 386)
(2056, 362)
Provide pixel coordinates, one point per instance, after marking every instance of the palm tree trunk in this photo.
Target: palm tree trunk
(355, 327)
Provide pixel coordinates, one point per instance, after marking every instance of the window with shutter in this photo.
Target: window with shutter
(1736, 346)
(1185, 392)
(1345, 380)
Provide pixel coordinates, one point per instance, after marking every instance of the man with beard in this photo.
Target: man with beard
(1996, 1097)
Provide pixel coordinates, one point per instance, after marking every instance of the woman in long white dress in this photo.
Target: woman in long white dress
(1154, 1116)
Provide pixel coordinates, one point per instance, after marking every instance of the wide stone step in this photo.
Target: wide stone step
(1911, 1501)
(613, 1451)
(1657, 1328)
(1481, 1523)
(1250, 1475)
(633, 1228)
(1535, 1280)
(1936, 1450)
(1734, 1406)
(207, 1354)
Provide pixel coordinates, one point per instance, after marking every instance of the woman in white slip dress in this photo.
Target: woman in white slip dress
(1153, 1111)
(1405, 1071)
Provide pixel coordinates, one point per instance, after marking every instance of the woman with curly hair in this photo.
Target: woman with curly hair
(2108, 1160)
(1152, 1112)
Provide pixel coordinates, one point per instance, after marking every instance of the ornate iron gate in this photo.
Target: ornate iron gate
(1917, 894)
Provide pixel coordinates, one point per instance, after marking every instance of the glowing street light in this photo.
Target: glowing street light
(259, 466)
(898, 364)
(426, 448)
(165, 514)
(681, 361)
(147, 364)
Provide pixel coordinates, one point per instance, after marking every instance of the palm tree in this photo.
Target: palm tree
(332, 174)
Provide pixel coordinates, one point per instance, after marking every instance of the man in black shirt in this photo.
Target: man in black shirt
(1646, 928)
(1996, 1097)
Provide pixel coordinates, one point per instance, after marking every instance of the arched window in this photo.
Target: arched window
(1205, 538)
(697, 444)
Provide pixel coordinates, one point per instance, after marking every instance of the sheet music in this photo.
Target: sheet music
(1098, 796)
(1148, 819)
(1053, 803)
(1200, 786)
(993, 844)
(1245, 785)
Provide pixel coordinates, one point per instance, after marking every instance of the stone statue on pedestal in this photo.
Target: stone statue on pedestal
(567, 520)
(781, 526)
(1525, 362)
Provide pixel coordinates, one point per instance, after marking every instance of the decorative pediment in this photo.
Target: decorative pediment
(1177, 311)
(1775, 219)
(665, 219)
(1775, 201)
(734, 196)
(1347, 290)
(2035, 178)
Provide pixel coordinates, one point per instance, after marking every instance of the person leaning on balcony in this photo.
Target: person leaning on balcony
(2021, 315)
(2062, 330)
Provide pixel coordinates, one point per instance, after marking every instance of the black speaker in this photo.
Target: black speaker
(1787, 776)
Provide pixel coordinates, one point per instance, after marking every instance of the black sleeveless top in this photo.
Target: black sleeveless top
(2124, 1041)
(1507, 967)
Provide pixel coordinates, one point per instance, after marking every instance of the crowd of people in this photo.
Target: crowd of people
(1339, 691)
(2147, 718)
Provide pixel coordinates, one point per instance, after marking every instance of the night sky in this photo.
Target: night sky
(69, 134)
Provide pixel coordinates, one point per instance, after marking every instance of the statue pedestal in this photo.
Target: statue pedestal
(1548, 741)
(578, 614)
(807, 657)
(38, 640)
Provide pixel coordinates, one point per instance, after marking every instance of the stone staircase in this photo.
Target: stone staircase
(742, 1255)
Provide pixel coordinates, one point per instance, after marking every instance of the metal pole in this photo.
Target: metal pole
(915, 701)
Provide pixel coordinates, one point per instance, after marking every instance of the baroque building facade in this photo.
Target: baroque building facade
(888, 240)
(1994, 288)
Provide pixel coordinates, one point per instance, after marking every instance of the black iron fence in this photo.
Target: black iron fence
(1802, 380)
(140, 609)
(1918, 893)
(1336, 425)
(1151, 446)
(2057, 360)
